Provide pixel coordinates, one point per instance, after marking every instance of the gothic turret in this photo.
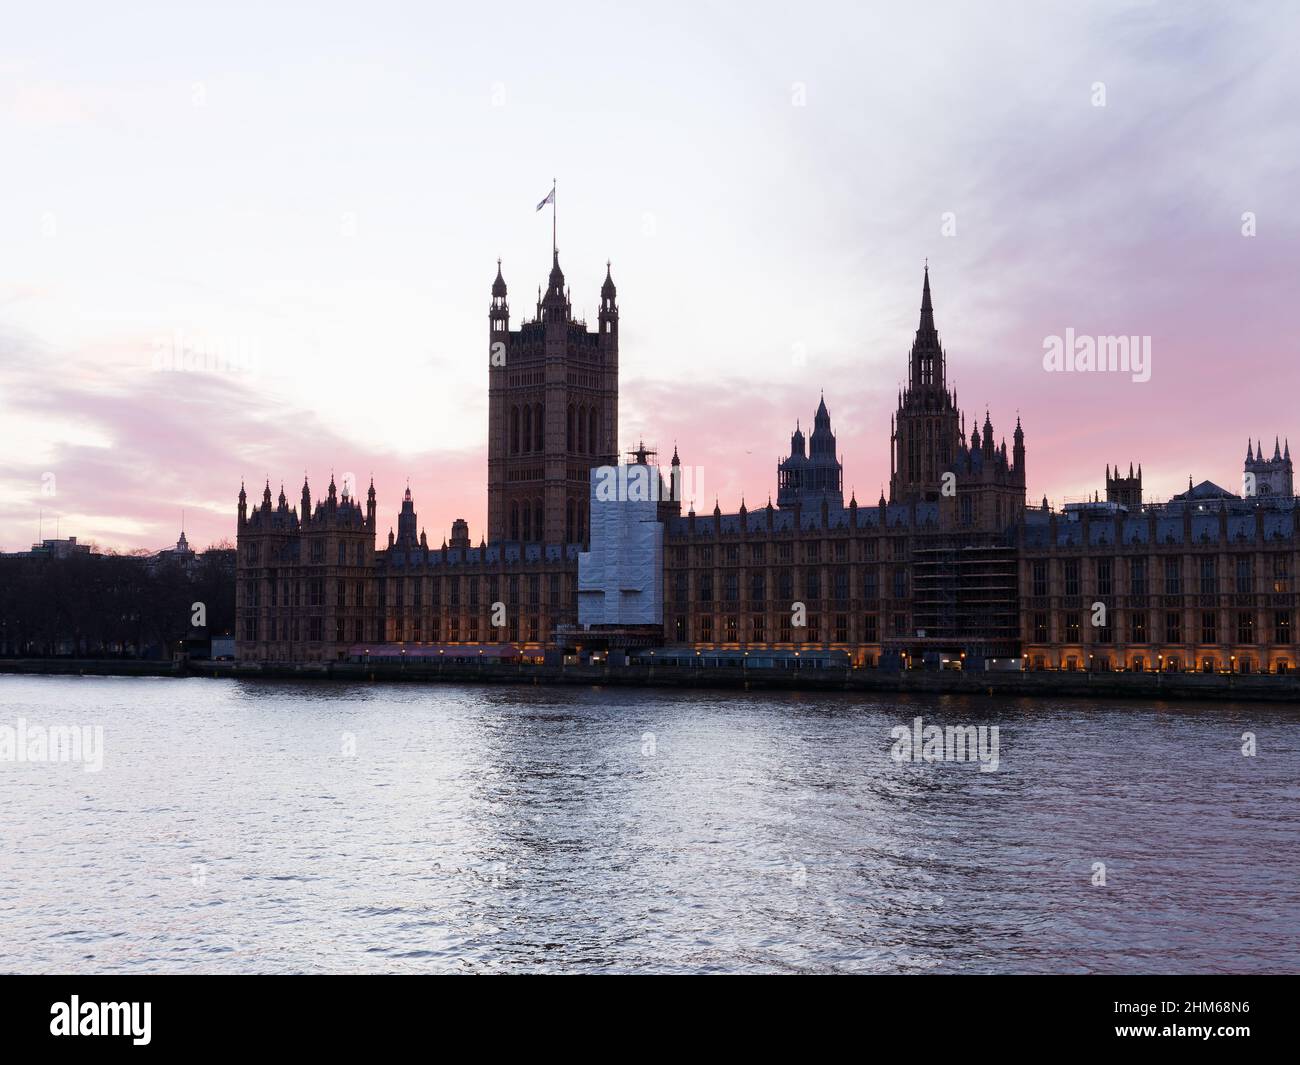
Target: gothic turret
(407, 535)
(608, 305)
(812, 476)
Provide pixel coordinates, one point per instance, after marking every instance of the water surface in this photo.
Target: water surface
(254, 826)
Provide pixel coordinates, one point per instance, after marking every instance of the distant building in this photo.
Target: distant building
(1272, 477)
(181, 556)
(57, 549)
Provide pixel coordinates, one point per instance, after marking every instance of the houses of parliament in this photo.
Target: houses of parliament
(955, 565)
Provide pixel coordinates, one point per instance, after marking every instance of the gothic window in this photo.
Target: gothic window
(582, 430)
(528, 523)
(1173, 627)
(1173, 576)
(514, 430)
(538, 527)
(592, 435)
(568, 507)
(568, 434)
(1282, 626)
(1103, 576)
(539, 426)
(1209, 577)
(1137, 573)
(1245, 627)
(1245, 576)
(528, 427)
(514, 521)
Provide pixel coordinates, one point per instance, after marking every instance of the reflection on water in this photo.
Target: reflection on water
(262, 826)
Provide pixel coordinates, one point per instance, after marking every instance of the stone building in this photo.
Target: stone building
(931, 573)
(305, 584)
(951, 567)
(312, 586)
(1205, 586)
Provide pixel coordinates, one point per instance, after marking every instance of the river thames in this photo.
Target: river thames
(259, 826)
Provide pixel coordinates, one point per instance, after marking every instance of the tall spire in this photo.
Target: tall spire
(927, 367)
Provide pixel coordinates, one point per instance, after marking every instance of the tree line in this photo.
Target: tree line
(111, 605)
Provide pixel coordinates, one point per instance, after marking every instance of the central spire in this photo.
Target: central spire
(927, 360)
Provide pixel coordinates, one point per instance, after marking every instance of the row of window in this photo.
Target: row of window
(357, 630)
(400, 591)
(528, 427)
(527, 521)
(1211, 628)
(1140, 579)
(347, 552)
(732, 628)
(784, 551)
(810, 585)
(1164, 663)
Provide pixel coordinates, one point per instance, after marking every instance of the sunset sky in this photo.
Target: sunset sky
(326, 189)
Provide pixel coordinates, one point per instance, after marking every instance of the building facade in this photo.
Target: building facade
(1206, 587)
(313, 586)
(952, 568)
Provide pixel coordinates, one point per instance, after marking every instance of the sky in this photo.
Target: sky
(310, 200)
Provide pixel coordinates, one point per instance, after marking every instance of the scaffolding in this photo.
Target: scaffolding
(965, 599)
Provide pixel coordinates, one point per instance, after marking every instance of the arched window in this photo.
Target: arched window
(568, 433)
(539, 527)
(514, 521)
(528, 523)
(582, 430)
(514, 430)
(539, 426)
(568, 522)
(528, 427)
(592, 436)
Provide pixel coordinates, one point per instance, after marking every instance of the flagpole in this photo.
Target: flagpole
(555, 249)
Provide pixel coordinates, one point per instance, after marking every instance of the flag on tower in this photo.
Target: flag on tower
(550, 198)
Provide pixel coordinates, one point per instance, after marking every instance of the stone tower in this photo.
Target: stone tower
(925, 433)
(814, 475)
(1126, 491)
(552, 413)
(1273, 477)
